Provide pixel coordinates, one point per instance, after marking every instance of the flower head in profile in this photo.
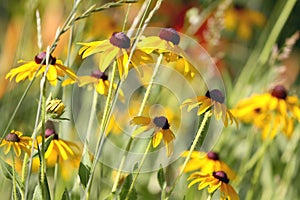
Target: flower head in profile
(14, 140)
(167, 43)
(161, 132)
(27, 69)
(271, 112)
(97, 79)
(117, 47)
(212, 102)
(65, 153)
(214, 181)
(243, 20)
(207, 162)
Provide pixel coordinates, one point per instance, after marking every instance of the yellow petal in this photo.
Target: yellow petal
(156, 139)
(140, 120)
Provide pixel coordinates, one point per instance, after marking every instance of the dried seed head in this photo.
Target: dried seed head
(12, 137)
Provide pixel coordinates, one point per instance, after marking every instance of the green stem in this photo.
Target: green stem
(14, 177)
(210, 195)
(102, 130)
(146, 96)
(192, 148)
(139, 170)
(56, 168)
(264, 46)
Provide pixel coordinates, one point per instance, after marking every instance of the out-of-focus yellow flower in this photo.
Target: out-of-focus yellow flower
(29, 68)
(161, 128)
(214, 181)
(207, 162)
(167, 43)
(16, 141)
(270, 112)
(212, 102)
(243, 20)
(117, 47)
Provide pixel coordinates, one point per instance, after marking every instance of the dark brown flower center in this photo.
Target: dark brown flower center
(222, 176)
(257, 110)
(215, 95)
(213, 155)
(279, 92)
(99, 75)
(169, 34)
(120, 40)
(161, 122)
(50, 132)
(12, 137)
(238, 7)
(41, 56)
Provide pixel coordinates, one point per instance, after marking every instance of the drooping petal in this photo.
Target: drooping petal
(156, 139)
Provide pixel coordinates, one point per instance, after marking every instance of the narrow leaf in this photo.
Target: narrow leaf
(125, 189)
(65, 195)
(161, 178)
(84, 173)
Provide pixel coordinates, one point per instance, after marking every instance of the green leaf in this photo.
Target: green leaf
(65, 195)
(37, 194)
(204, 132)
(125, 189)
(46, 189)
(7, 170)
(84, 173)
(161, 178)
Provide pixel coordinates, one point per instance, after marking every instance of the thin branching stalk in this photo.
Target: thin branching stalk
(139, 169)
(14, 176)
(193, 146)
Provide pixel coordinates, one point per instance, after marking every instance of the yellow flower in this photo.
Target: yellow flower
(270, 112)
(66, 154)
(212, 102)
(29, 68)
(161, 128)
(98, 79)
(167, 43)
(207, 162)
(242, 19)
(214, 181)
(117, 47)
(17, 141)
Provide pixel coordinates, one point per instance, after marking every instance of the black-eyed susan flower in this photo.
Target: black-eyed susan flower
(117, 47)
(243, 20)
(65, 153)
(212, 102)
(16, 141)
(97, 79)
(29, 68)
(167, 43)
(207, 162)
(214, 181)
(271, 111)
(161, 132)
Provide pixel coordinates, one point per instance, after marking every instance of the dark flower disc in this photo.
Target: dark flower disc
(222, 176)
(12, 137)
(161, 122)
(213, 155)
(215, 95)
(169, 34)
(40, 57)
(279, 92)
(99, 75)
(120, 40)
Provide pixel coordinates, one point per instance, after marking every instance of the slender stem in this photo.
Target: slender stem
(102, 130)
(90, 123)
(14, 177)
(56, 168)
(198, 136)
(146, 96)
(139, 170)
(210, 196)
